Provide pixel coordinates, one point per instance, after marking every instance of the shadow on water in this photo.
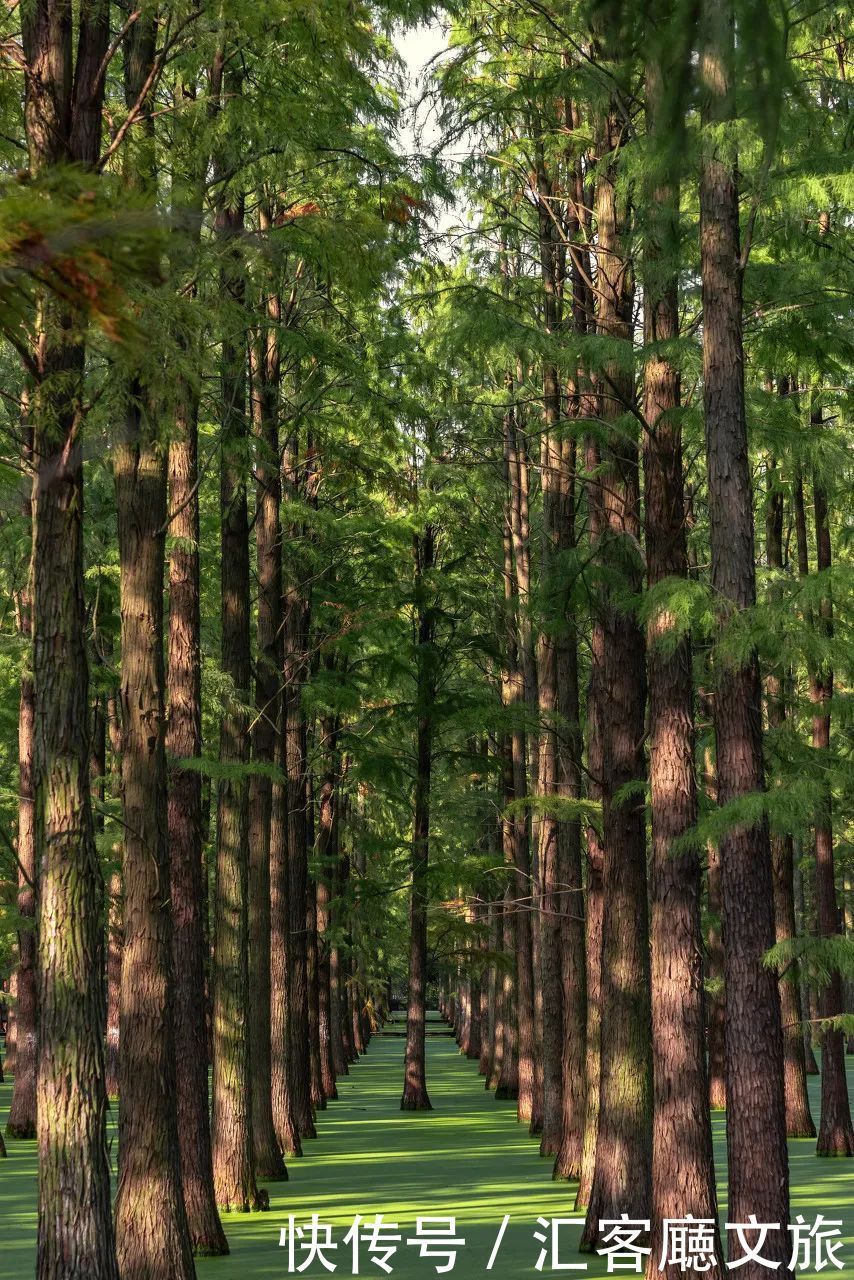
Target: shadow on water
(467, 1158)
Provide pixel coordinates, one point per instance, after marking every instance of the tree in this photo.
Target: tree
(756, 1120)
(63, 123)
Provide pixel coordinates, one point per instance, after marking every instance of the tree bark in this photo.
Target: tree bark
(522, 698)
(756, 1118)
(683, 1175)
(294, 629)
(799, 1121)
(231, 1117)
(326, 859)
(62, 107)
(188, 874)
(621, 1180)
(22, 1110)
(269, 1164)
(835, 1129)
(280, 970)
(415, 1096)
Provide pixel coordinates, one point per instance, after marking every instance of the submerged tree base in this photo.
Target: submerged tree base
(416, 1101)
(507, 1092)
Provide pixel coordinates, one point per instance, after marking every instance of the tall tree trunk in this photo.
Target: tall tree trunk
(318, 1095)
(621, 1180)
(716, 1030)
(756, 1116)
(799, 1121)
(556, 536)
(63, 106)
(808, 1000)
(595, 858)
(559, 482)
(498, 1005)
(231, 1116)
(269, 1164)
(683, 1176)
(326, 857)
(835, 1129)
(280, 970)
(415, 1096)
(518, 685)
(115, 893)
(22, 1111)
(152, 1234)
(188, 874)
(294, 630)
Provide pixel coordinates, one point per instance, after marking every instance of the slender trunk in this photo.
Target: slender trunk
(487, 990)
(621, 1180)
(568, 745)
(294, 630)
(188, 874)
(415, 1096)
(151, 1225)
(496, 983)
(22, 1111)
(683, 1176)
(716, 1012)
(327, 819)
(318, 1095)
(557, 534)
(231, 1115)
(507, 1080)
(11, 1035)
(115, 946)
(520, 681)
(595, 904)
(115, 909)
(268, 549)
(799, 1121)
(280, 970)
(756, 1116)
(807, 995)
(835, 1130)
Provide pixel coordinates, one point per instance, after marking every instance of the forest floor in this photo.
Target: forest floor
(468, 1159)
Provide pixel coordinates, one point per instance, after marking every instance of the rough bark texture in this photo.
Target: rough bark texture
(231, 1117)
(621, 1180)
(269, 1164)
(756, 1117)
(595, 863)
(188, 875)
(807, 922)
(75, 1232)
(280, 969)
(326, 858)
(152, 1234)
(415, 1096)
(835, 1129)
(295, 629)
(22, 1111)
(683, 1178)
(799, 1121)
(521, 681)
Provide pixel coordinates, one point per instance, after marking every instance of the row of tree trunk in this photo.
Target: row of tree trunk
(628, 1082)
(244, 978)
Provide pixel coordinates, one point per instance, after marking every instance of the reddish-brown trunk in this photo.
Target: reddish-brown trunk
(415, 1096)
(683, 1177)
(756, 1116)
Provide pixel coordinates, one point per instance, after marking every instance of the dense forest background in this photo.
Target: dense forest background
(426, 568)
